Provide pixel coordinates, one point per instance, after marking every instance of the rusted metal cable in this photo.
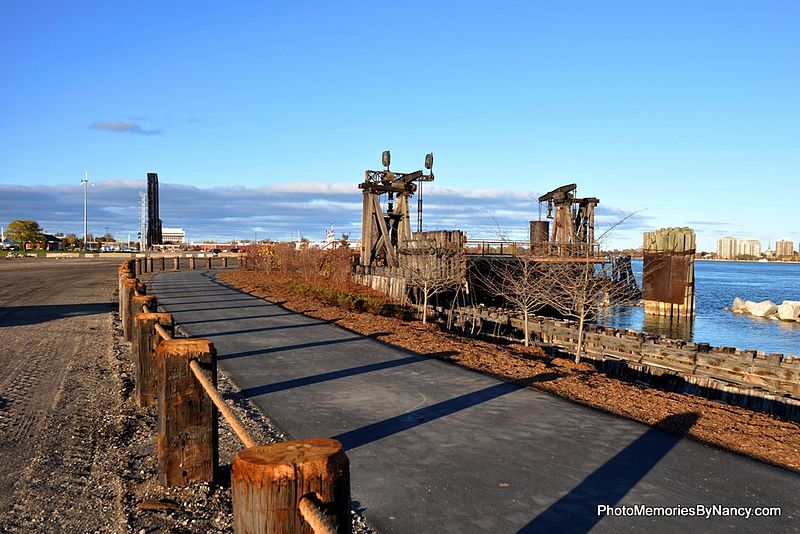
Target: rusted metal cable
(313, 515)
(233, 421)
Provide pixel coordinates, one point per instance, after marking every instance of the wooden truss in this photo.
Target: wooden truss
(381, 232)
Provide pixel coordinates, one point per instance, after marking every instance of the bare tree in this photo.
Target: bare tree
(516, 280)
(431, 267)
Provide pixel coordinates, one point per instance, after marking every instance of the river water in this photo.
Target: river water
(717, 284)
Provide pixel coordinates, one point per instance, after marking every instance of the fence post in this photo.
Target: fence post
(137, 301)
(187, 429)
(149, 264)
(128, 289)
(138, 266)
(176, 261)
(208, 263)
(146, 341)
(192, 261)
(269, 481)
(225, 262)
(163, 264)
(124, 274)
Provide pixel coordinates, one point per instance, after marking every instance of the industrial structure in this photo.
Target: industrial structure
(153, 222)
(382, 231)
(573, 224)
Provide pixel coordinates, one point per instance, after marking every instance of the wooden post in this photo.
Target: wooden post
(136, 307)
(225, 262)
(192, 261)
(268, 482)
(124, 274)
(138, 266)
(187, 430)
(150, 264)
(163, 264)
(208, 263)
(146, 341)
(176, 261)
(128, 289)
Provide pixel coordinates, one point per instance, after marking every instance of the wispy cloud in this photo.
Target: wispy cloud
(123, 127)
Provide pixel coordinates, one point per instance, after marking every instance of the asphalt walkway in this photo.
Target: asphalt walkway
(437, 448)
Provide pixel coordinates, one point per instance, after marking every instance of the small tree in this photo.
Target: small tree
(431, 268)
(25, 232)
(516, 280)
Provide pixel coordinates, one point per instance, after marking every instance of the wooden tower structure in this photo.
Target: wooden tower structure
(381, 232)
(573, 221)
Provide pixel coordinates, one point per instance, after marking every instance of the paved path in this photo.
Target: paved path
(437, 448)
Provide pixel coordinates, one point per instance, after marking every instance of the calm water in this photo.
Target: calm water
(718, 283)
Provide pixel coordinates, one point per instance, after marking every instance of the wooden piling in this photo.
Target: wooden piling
(124, 274)
(225, 262)
(163, 264)
(268, 483)
(176, 262)
(137, 301)
(145, 343)
(208, 263)
(187, 430)
(128, 289)
(192, 262)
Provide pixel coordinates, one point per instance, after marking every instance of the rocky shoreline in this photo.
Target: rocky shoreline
(788, 310)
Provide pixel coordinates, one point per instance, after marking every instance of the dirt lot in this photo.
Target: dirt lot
(76, 453)
(743, 431)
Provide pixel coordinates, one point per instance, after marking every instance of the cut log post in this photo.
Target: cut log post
(187, 418)
(137, 301)
(138, 266)
(225, 262)
(192, 261)
(208, 262)
(150, 264)
(268, 483)
(145, 343)
(163, 264)
(128, 289)
(124, 274)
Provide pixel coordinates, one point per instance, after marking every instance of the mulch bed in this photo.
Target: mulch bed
(732, 428)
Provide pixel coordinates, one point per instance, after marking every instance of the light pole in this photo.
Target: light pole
(85, 183)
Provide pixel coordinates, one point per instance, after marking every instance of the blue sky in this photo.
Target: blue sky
(683, 111)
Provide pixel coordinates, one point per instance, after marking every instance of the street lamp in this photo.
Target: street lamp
(85, 183)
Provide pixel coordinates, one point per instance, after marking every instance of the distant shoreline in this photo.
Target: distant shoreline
(746, 261)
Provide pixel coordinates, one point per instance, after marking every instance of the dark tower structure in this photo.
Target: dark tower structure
(153, 222)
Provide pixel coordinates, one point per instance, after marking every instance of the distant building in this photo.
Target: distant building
(173, 236)
(727, 248)
(784, 248)
(750, 247)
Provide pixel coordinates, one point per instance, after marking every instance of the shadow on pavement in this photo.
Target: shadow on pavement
(257, 352)
(576, 512)
(374, 432)
(333, 375)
